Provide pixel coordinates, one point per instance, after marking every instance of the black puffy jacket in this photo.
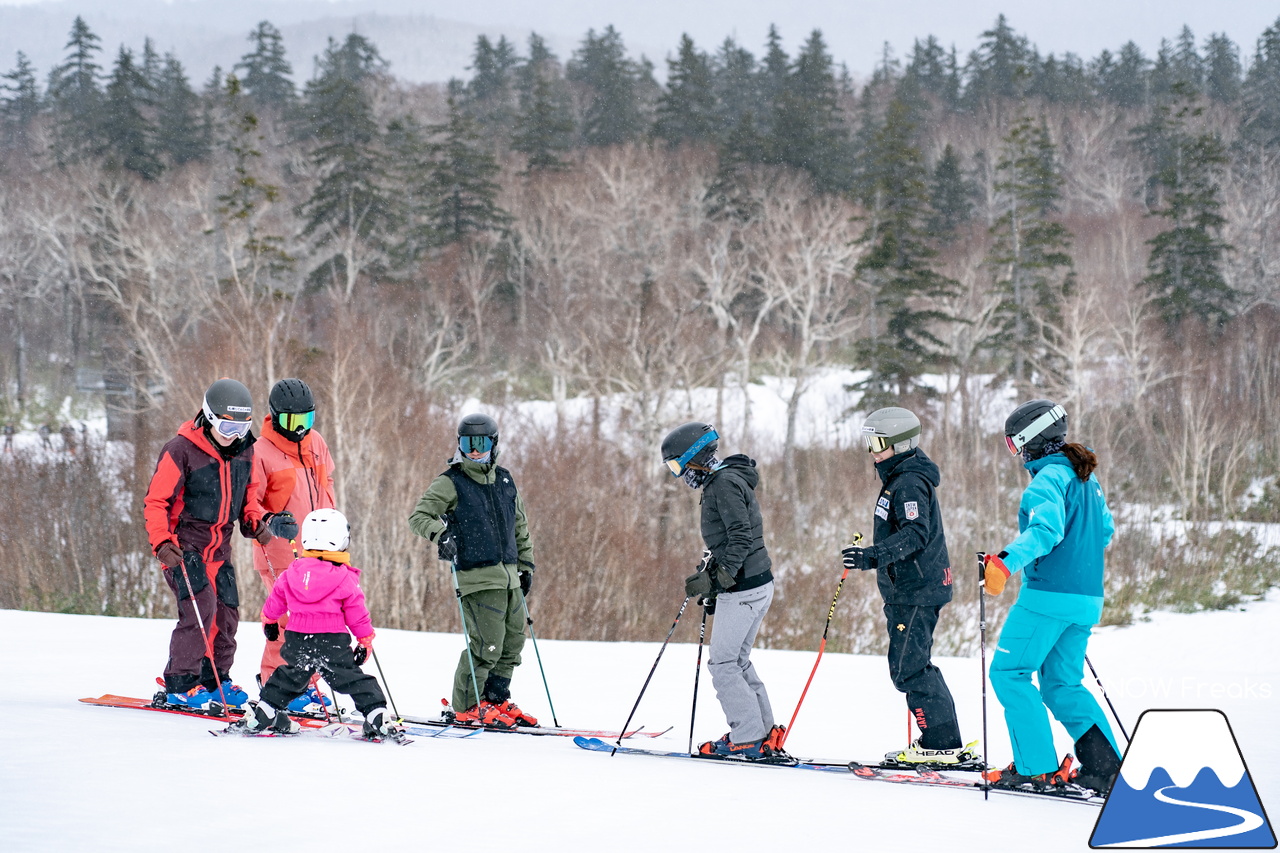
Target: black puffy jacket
(731, 525)
(910, 545)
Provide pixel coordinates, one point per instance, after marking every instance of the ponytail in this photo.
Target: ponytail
(1082, 459)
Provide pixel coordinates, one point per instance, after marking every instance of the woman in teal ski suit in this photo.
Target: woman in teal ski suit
(1064, 527)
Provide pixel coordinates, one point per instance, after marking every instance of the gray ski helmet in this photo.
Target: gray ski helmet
(477, 432)
(1032, 424)
(293, 409)
(894, 427)
(228, 408)
(692, 443)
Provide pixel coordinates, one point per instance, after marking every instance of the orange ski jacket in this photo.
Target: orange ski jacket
(290, 475)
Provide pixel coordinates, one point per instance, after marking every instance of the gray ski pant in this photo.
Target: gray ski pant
(740, 691)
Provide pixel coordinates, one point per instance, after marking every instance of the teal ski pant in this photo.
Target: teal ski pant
(495, 638)
(1053, 651)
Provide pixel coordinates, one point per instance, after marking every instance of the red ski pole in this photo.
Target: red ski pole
(822, 646)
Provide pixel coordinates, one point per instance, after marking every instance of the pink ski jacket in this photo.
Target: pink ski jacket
(321, 598)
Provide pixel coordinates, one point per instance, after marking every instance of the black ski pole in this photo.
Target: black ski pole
(1108, 698)
(385, 686)
(982, 633)
(528, 618)
(697, 673)
(652, 669)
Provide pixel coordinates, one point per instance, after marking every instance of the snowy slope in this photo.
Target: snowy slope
(77, 777)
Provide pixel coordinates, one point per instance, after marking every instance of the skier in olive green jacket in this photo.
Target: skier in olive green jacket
(476, 517)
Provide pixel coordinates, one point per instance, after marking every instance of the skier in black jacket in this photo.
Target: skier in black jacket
(913, 572)
(734, 581)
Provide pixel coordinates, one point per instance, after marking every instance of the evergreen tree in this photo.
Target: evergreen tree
(1000, 67)
(544, 125)
(951, 196)
(490, 96)
(1185, 64)
(75, 94)
(898, 268)
(1163, 76)
(351, 212)
(1124, 82)
(736, 87)
(1029, 254)
(775, 70)
(612, 83)
(729, 196)
(1261, 90)
(808, 130)
(182, 130)
(462, 191)
(151, 63)
(687, 109)
(264, 73)
(1185, 264)
(1063, 81)
(128, 135)
(20, 106)
(934, 71)
(1222, 71)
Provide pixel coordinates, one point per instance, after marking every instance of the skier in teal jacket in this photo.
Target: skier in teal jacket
(1064, 527)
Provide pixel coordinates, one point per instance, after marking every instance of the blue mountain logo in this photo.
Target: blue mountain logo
(1183, 783)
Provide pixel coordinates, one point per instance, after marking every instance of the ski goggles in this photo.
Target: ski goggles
(469, 444)
(678, 464)
(231, 429)
(877, 443)
(295, 421)
(1019, 440)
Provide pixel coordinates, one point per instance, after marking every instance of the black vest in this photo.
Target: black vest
(484, 520)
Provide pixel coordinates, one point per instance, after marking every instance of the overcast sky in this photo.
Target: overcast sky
(855, 30)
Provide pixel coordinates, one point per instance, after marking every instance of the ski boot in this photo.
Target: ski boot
(311, 701)
(484, 714)
(512, 710)
(234, 696)
(260, 717)
(197, 698)
(917, 755)
(1099, 762)
(378, 725)
(754, 750)
(1009, 777)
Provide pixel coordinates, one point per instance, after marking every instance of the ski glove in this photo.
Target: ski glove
(995, 574)
(698, 585)
(271, 630)
(447, 547)
(170, 555)
(360, 654)
(859, 558)
(526, 583)
(281, 524)
(709, 605)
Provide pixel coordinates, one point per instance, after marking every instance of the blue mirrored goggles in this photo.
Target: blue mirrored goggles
(677, 465)
(230, 428)
(475, 443)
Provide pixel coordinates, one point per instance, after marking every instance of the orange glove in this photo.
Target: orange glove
(367, 642)
(995, 575)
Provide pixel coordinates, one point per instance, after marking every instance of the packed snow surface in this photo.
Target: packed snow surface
(85, 778)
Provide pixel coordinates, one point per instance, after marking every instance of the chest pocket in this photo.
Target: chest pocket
(202, 494)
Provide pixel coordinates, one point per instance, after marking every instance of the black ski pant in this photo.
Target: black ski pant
(913, 673)
(329, 655)
(216, 606)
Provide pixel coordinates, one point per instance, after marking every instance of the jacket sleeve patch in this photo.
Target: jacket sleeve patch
(882, 513)
(911, 509)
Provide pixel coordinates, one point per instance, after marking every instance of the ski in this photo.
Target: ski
(110, 700)
(873, 773)
(592, 744)
(550, 731)
(238, 729)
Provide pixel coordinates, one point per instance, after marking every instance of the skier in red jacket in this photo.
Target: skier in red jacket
(202, 485)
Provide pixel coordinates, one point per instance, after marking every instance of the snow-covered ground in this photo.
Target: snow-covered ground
(85, 778)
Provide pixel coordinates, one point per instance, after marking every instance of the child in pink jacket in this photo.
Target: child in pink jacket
(321, 593)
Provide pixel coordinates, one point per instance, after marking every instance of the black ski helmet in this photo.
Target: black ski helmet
(292, 397)
(1030, 426)
(480, 426)
(689, 444)
(228, 402)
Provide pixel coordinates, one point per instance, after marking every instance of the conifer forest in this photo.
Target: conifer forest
(962, 233)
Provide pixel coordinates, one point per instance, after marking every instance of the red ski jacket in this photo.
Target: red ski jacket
(196, 495)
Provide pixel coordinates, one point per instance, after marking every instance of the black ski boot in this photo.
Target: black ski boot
(1099, 763)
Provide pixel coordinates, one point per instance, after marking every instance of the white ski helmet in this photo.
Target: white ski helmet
(325, 530)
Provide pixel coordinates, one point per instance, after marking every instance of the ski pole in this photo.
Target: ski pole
(822, 646)
(982, 633)
(1108, 698)
(652, 669)
(697, 673)
(208, 644)
(528, 618)
(466, 638)
(387, 687)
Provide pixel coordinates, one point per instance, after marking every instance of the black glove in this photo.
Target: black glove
(859, 558)
(709, 605)
(526, 583)
(271, 630)
(447, 547)
(698, 585)
(281, 524)
(360, 654)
